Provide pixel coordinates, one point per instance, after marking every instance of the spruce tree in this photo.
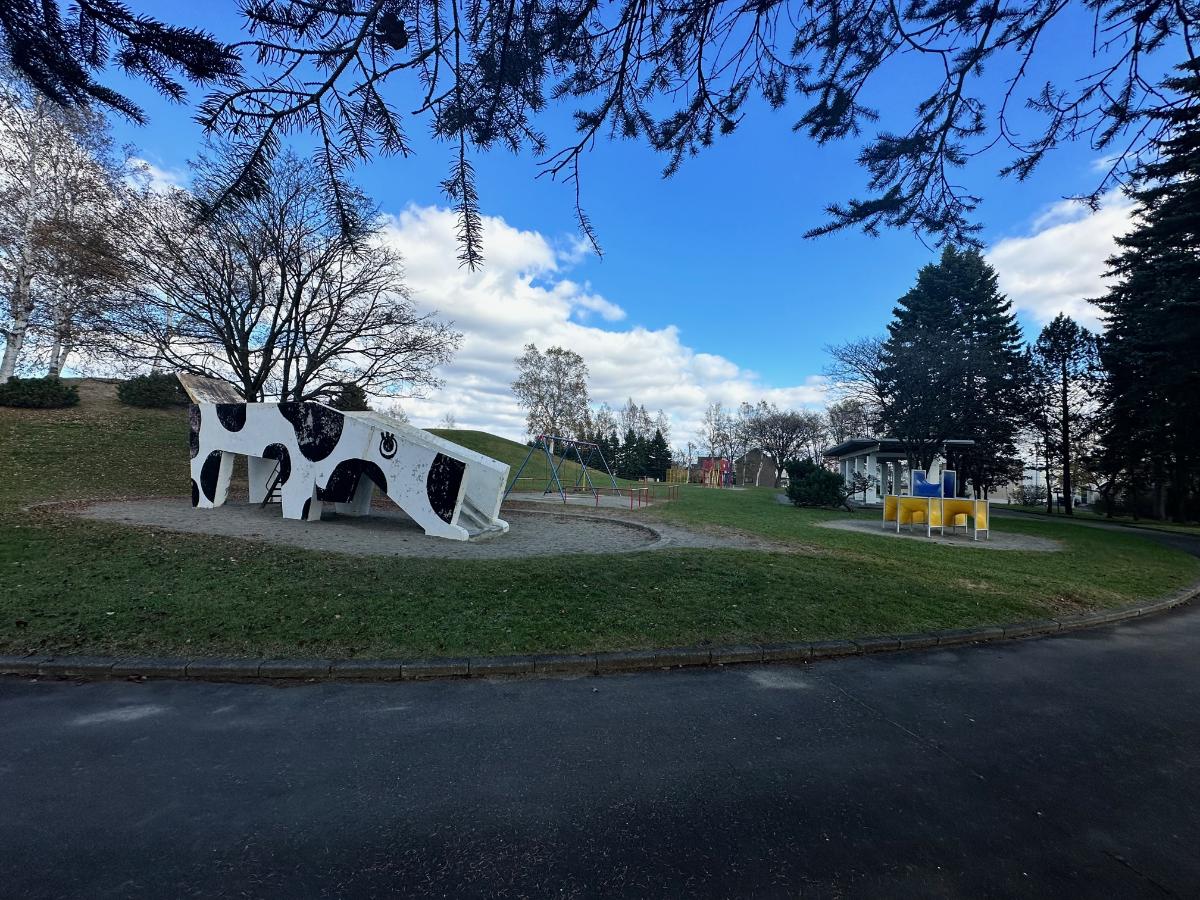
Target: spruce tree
(658, 456)
(1152, 340)
(1063, 367)
(952, 367)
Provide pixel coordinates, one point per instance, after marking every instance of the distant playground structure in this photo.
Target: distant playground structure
(716, 471)
(557, 452)
(565, 457)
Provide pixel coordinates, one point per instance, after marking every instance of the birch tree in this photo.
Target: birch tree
(552, 388)
(57, 179)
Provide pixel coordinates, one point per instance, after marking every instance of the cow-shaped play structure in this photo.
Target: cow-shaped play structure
(307, 454)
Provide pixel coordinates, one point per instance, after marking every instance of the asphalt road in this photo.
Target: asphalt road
(1057, 767)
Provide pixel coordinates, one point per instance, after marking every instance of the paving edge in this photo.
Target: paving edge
(293, 670)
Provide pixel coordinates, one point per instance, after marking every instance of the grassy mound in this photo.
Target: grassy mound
(74, 586)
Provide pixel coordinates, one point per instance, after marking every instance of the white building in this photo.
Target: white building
(885, 463)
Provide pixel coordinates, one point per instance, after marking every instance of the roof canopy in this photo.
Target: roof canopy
(862, 445)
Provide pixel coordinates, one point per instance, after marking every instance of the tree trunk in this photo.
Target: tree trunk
(22, 310)
(1065, 425)
(54, 364)
(1049, 482)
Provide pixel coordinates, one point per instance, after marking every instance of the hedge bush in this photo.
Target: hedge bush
(38, 393)
(157, 390)
(811, 485)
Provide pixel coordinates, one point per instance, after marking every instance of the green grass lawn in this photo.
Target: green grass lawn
(73, 586)
(1088, 515)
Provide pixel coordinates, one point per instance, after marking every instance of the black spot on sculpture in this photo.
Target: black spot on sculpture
(442, 484)
(318, 428)
(195, 493)
(194, 430)
(232, 416)
(280, 453)
(209, 474)
(307, 507)
(343, 481)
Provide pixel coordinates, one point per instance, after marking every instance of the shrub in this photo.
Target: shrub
(157, 390)
(351, 398)
(811, 485)
(38, 393)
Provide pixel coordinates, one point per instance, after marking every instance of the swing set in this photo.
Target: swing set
(558, 450)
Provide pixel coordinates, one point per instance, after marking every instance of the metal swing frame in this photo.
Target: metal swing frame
(555, 463)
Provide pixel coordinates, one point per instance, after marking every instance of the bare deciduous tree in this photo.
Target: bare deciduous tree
(275, 294)
(846, 419)
(787, 433)
(855, 373)
(716, 430)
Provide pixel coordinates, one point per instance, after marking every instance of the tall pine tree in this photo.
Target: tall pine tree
(1064, 373)
(952, 368)
(1151, 350)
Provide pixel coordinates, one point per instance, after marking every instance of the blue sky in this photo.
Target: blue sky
(713, 256)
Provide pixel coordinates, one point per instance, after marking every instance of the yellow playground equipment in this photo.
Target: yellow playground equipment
(934, 505)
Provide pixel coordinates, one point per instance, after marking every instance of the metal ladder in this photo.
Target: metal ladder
(272, 486)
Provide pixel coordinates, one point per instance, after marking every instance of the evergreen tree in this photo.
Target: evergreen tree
(658, 456)
(628, 463)
(952, 368)
(1152, 424)
(1063, 367)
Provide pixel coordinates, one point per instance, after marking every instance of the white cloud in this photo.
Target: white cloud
(157, 178)
(521, 296)
(1061, 263)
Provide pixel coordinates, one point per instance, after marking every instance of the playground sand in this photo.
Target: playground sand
(391, 533)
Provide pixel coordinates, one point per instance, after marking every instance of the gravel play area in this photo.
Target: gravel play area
(391, 533)
(998, 541)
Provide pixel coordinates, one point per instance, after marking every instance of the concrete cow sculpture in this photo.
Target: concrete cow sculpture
(310, 454)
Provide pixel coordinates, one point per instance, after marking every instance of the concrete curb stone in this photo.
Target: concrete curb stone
(501, 665)
(877, 644)
(797, 651)
(566, 663)
(1034, 627)
(150, 667)
(295, 668)
(683, 656)
(223, 668)
(834, 648)
(626, 659)
(953, 636)
(76, 666)
(21, 665)
(916, 641)
(440, 667)
(737, 654)
(367, 669)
